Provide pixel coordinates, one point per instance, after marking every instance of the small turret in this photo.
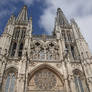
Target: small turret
(11, 20)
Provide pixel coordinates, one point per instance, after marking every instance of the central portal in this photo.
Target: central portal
(45, 80)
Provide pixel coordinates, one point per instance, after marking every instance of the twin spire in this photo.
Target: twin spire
(23, 16)
(60, 19)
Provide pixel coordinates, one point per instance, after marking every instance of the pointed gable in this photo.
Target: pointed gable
(23, 14)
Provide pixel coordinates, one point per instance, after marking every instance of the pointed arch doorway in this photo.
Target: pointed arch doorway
(45, 79)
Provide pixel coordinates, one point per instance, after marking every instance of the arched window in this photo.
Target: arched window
(66, 48)
(16, 33)
(45, 80)
(78, 84)
(23, 33)
(13, 49)
(79, 80)
(10, 83)
(20, 50)
(63, 35)
(72, 51)
(69, 36)
(9, 80)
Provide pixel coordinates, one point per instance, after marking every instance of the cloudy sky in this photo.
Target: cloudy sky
(44, 12)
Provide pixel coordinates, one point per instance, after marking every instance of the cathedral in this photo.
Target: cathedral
(61, 62)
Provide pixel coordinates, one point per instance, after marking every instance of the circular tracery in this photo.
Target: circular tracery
(45, 79)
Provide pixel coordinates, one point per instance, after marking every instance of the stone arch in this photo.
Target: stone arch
(11, 69)
(77, 72)
(48, 67)
(11, 66)
(58, 77)
(80, 81)
(9, 79)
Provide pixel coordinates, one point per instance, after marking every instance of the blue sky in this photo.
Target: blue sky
(43, 13)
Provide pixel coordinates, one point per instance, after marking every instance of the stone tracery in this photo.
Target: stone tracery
(80, 82)
(48, 52)
(45, 80)
(9, 80)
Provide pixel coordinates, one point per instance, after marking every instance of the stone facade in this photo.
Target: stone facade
(60, 62)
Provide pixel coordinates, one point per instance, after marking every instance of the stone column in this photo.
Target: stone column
(21, 76)
(72, 84)
(67, 86)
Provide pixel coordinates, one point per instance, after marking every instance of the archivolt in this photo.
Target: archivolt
(46, 66)
(10, 70)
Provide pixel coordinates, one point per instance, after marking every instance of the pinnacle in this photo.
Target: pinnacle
(23, 14)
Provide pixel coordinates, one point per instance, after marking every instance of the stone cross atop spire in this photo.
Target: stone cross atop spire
(23, 14)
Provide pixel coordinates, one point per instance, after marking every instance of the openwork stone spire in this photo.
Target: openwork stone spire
(61, 19)
(76, 29)
(23, 14)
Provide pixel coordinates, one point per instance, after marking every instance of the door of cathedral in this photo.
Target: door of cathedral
(45, 80)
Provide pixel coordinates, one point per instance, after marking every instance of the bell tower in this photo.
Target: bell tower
(20, 28)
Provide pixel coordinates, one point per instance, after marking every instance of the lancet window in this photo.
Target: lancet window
(20, 50)
(19, 33)
(17, 41)
(23, 33)
(72, 51)
(80, 83)
(16, 33)
(69, 35)
(9, 82)
(63, 35)
(13, 49)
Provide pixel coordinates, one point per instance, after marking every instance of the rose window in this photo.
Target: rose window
(45, 79)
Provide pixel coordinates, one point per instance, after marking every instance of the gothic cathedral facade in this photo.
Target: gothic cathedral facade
(60, 62)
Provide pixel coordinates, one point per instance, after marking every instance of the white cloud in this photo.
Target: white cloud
(80, 9)
(28, 2)
(85, 24)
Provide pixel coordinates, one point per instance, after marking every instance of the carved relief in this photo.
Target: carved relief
(47, 52)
